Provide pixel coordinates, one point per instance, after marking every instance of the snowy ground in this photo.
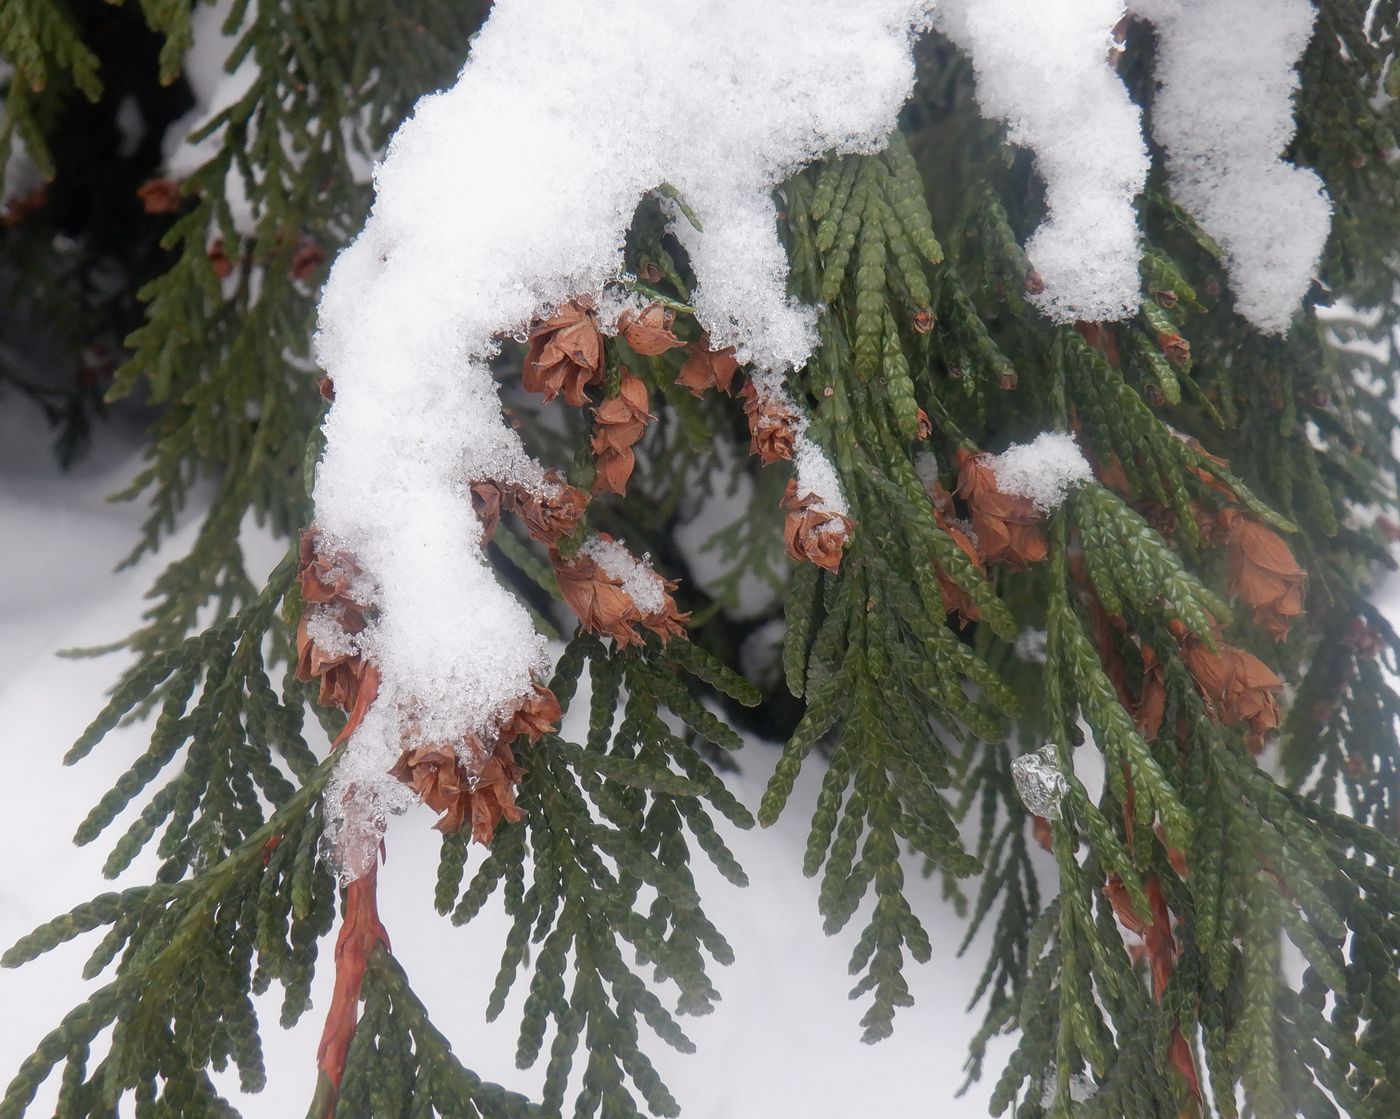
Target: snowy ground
(784, 1041)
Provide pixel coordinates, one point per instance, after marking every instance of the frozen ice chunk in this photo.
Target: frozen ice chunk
(1040, 782)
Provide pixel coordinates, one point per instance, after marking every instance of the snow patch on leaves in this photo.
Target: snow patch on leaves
(463, 248)
(1042, 470)
(1224, 113)
(1043, 67)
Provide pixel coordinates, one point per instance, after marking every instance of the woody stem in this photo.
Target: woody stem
(360, 932)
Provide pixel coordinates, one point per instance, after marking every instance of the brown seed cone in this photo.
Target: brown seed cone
(1239, 687)
(538, 714)
(340, 674)
(604, 607)
(326, 580)
(437, 775)
(160, 196)
(566, 354)
(1175, 348)
(617, 424)
(551, 516)
(812, 535)
(1263, 573)
(708, 369)
(772, 426)
(1007, 525)
(488, 498)
(597, 598)
(956, 600)
(669, 621)
(649, 331)
(307, 259)
(219, 260)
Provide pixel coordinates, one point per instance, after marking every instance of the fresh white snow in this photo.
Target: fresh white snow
(1224, 113)
(466, 245)
(1043, 67)
(1043, 470)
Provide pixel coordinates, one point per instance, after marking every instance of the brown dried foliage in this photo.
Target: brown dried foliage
(617, 425)
(812, 534)
(565, 354)
(1008, 526)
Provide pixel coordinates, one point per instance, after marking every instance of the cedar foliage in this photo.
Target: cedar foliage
(1151, 985)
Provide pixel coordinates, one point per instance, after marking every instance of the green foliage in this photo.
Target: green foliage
(904, 669)
(611, 823)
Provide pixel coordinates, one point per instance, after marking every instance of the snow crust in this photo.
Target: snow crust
(1043, 470)
(1224, 113)
(1043, 67)
(499, 199)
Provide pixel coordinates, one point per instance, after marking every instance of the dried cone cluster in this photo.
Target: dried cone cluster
(772, 425)
(812, 533)
(648, 331)
(468, 782)
(548, 514)
(1239, 688)
(604, 607)
(1007, 526)
(566, 353)
(957, 601)
(1263, 573)
(708, 369)
(327, 581)
(160, 196)
(617, 425)
(471, 784)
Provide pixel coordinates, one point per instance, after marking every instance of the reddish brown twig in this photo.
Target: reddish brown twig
(360, 932)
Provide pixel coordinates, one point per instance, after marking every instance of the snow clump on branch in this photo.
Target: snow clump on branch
(499, 200)
(1224, 113)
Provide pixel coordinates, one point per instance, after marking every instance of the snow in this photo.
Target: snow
(461, 250)
(642, 585)
(215, 90)
(1030, 646)
(1224, 113)
(1043, 470)
(1043, 67)
(769, 1048)
(326, 633)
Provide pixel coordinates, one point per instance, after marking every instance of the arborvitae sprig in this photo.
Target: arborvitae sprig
(1191, 848)
(266, 902)
(1009, 883)
(234, 735)
(401, 1067)
(612, 821)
